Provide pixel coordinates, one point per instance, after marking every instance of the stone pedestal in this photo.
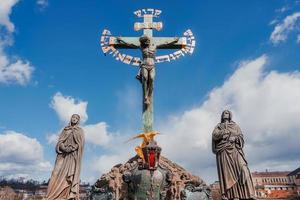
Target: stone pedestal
(131, 181)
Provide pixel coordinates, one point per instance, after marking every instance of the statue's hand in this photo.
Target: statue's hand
(232, 139)
(225, 136)
(68, 149)
(226, 131)
(119, 39)
(62, 147)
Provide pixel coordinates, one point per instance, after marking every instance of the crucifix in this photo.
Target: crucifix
(148, 46)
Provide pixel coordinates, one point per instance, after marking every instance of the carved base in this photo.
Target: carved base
(130, 181)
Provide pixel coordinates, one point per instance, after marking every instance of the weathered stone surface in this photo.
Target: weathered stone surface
(234, 174)
(180, 183)
(65, 177)
(7, 193)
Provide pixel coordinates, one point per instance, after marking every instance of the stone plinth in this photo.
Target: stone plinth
(171, 182)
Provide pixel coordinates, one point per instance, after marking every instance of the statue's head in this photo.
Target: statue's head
(226, 116)
(75, 118)
(144, 40)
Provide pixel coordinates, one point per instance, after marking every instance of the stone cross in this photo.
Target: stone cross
(148, 46)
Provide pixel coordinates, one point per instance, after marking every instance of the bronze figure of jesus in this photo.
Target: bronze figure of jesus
(146, 73)
(148, 44)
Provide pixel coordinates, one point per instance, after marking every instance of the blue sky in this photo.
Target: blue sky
(54, 45)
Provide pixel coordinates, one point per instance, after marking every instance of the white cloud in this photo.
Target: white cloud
(264, 104)
(52, 138)
(282, 29)
(20, 154)
(283, 9)
(97, 134)
(274, 21)
(118, 152)
(298, 39)
(42, 3)
(18, 72)
(5, 11)
(104, 163)
(65, 106)
(12, 71)
(28, 149)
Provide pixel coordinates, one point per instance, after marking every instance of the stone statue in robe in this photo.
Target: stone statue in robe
(65, 178)
(234, 175)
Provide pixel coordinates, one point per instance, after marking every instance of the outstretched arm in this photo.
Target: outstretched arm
(120, 40)
(168, 42)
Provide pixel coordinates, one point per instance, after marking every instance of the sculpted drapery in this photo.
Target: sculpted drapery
(65, 178)
(234, 174)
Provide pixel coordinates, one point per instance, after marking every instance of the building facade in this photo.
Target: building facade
(274, 185)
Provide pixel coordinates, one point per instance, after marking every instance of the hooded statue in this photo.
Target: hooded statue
(234, 174)
(65, 178)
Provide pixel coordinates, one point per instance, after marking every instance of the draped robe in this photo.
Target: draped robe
(65, 178)
(234, 174)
